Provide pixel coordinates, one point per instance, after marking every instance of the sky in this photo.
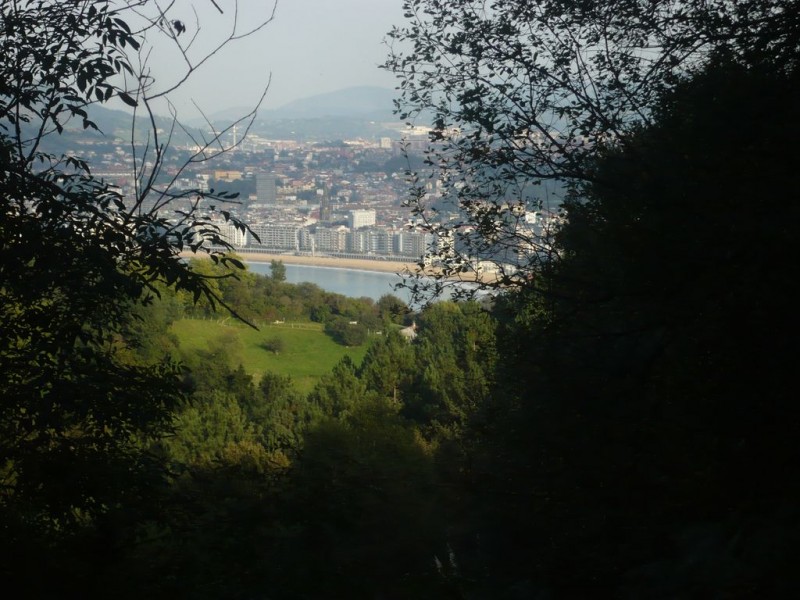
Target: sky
(311, 47)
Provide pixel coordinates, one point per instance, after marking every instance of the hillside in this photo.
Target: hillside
(307, 353)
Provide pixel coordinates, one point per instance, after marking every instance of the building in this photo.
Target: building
(266, 190)
(410, 332)
(333, 239)
(324, 206)
(358, 241)
(275, 236)
(412, 243)
(235, 237)
(305, 239)
(360, 218)
(380, 241)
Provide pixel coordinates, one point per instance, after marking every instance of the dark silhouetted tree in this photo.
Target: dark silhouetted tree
(520, 95)
(78, 412)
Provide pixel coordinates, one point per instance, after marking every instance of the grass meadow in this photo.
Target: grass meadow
(306, 352)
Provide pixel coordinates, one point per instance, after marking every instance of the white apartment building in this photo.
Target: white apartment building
(333, 239)
(361, 218)
(276, 236)
(235, 237)
(412, 243)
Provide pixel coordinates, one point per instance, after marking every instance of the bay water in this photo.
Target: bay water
(348, 282)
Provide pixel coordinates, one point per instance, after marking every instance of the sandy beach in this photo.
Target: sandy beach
(380, 266)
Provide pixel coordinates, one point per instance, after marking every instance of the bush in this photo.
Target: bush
(347, 333)
(276, 345)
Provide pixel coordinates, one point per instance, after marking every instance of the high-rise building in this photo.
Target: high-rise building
(266, 190)
(324, 206)
(380, 241)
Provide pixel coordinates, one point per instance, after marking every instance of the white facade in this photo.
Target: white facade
(279, 237)
(412, 243)
(235, 237)
(361, 218)
(331, 239)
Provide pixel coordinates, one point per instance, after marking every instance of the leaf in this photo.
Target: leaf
(237, 263)
(127, 99)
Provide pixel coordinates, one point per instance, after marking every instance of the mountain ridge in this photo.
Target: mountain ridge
(367, 102)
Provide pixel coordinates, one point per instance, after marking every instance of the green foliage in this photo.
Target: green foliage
(215, 431)
(389, 367)
(363, 480)
(308, 354)
(261, 299)
(340, 391)
(456, 357)
(148, 337)
(635, 364)
(688, 302)
(282, 413)
(347, 333)
(392, 309)
(277, 270)
(87, 375)
(276, 345)
(75, 414)
(621, 424)
(640, 417)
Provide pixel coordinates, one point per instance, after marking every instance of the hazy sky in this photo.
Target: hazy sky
(311, 47)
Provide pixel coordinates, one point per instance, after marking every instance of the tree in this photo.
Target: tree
(75, 255)
(456, 357)
(277, 270)
(392, 309)
(275, 344)
(642, 377)
(340, 392)
(348, 333)
(639, 427)
(362, 479)
(389, 366)
(522, 95)
(282, 413)
(209, 432)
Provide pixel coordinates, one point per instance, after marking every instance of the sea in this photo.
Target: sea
(348, 282)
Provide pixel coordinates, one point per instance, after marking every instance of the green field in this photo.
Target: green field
(307, 352)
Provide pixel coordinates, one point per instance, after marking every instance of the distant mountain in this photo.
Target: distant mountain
(114, 129)
(111, 123)
(114, 123)
(364, 102)
(346, 113)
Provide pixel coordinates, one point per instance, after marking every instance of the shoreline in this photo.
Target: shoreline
(355, 264)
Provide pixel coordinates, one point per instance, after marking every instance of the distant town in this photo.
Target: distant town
(342, 198)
